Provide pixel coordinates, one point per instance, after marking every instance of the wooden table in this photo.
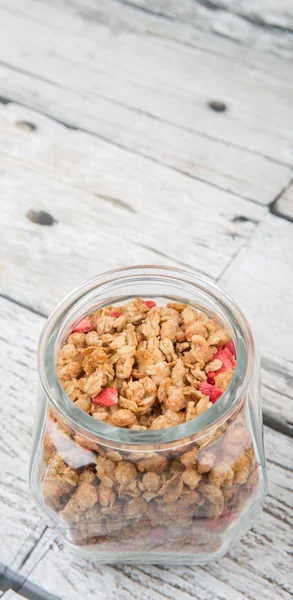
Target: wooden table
(151, 131)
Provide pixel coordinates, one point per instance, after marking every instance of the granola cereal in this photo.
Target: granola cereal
(144, 366)
(147, 367)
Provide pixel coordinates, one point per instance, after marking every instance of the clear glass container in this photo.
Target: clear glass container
(98, 484)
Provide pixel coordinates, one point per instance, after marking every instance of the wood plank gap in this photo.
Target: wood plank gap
(148, 11)
(180, 262)
(24, 72)
(214, 6)
(29, 552)
(273, 205)
(18, 583)
(23, 305)
(272, 423)
(254, 21)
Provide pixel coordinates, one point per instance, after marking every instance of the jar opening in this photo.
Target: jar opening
(162, 284)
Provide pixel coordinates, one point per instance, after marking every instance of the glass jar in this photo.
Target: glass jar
(180, 495)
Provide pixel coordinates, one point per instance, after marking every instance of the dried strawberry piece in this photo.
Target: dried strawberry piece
(211, 376)
(83, 326)
(150, 303)
(107, 397)
(115, 314)
(227, 359)
(211, 391)
(228, 362)
(231, 347)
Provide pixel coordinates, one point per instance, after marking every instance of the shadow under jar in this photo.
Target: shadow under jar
(74, 456)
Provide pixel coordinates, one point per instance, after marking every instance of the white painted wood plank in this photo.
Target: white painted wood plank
(284, 205)
(230, 168)
(270, 13)
(261, 281)
(120, 70)
(191, 22)
(19, 528)
(264, 24)
(112, 209)
(259, 567)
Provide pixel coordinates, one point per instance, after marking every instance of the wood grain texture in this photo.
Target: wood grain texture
(260, 279)
(265, 25)
(259, 566)
(198, 156)
(112, 208)
(19, 528)
(125, 98)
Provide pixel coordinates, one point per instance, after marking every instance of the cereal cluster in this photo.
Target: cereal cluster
(143, 366)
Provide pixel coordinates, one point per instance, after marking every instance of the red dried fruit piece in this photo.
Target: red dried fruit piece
(231, 347)
(83, 326)
(211, 377)
(211, 391)
(228, 362)
(150, 303)
(107, 397)
(115, 314)
(227, 359)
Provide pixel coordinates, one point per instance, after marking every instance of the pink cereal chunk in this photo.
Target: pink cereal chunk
(107, 397)
(115, 314)
(83, 326)
(211, 391)
(231, 347)
(150, 303)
